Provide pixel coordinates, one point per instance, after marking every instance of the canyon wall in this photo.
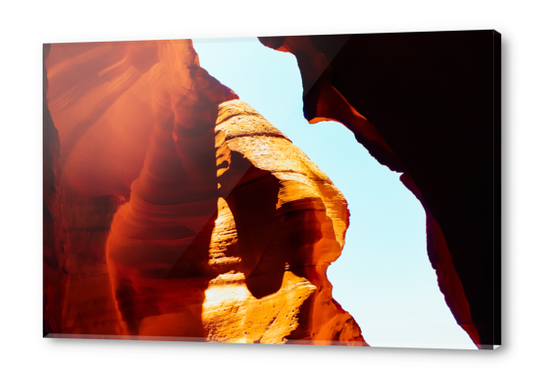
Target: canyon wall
(173, 210)
(426, 105)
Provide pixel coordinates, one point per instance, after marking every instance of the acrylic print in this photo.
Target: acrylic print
(317, 190)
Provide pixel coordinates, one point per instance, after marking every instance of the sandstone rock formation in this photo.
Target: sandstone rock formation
(180, 211)
(290, 223)
(426, 105)
(55, 257)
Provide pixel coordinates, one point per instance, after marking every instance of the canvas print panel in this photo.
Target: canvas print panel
(173, 209)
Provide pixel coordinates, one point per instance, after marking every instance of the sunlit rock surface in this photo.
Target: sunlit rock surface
(176, 210)
(426, 105)
(281, 224)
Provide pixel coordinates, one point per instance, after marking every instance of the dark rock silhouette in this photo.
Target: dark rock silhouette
(426, 105)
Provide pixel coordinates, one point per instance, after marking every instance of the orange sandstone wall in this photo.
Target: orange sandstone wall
(186, 214)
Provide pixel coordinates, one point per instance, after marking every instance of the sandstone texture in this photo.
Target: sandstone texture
(426, 105)
(176, 211)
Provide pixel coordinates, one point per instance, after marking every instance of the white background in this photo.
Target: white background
(24, 27)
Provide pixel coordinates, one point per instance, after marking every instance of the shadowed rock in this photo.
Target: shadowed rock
(426, 105)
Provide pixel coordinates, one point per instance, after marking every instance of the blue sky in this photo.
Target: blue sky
(383, 277)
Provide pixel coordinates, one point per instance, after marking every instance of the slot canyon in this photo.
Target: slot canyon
(174, 210)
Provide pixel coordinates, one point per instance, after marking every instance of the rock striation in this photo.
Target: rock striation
(183, 213)
(426, 105)
(283, 222)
